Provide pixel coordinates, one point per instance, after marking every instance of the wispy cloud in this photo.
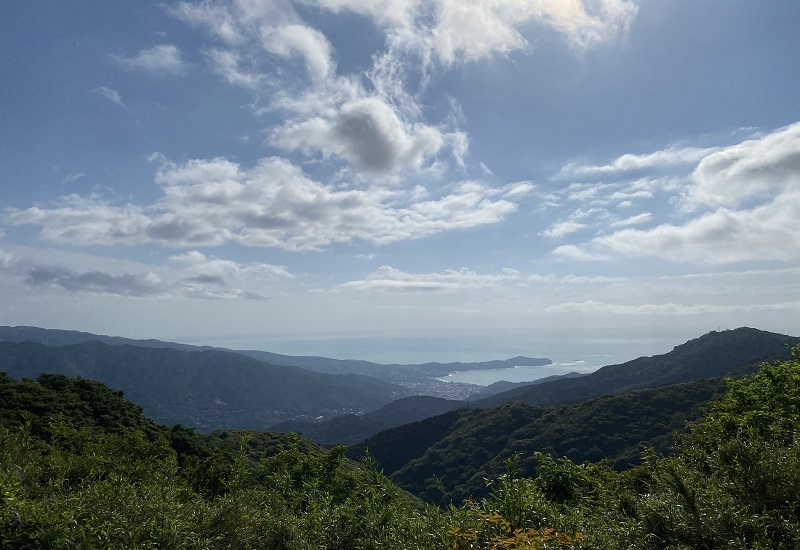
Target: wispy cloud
(671, 156)
(391, 279)
(74, 176)
(219, 269)
(644, 217)
(164, 59)
(109, 94)
(561, 229)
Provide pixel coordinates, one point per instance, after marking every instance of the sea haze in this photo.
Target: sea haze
(519, 374)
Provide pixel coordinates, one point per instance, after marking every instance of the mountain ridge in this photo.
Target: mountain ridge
(207, 389)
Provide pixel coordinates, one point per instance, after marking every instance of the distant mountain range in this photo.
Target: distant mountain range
(212, 388)
(209, 389)
(420, 379)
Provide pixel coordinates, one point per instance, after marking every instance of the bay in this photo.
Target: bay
(518, 374)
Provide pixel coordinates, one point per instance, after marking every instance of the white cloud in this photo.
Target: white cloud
(573, 252)
(644, 217)
(560, 229)
(164, 58)
(109, 94)
(367, 133)
(520, 189)
(671, 156)
(389, 278)
(274, 204)
(237, 21)
(395, 13)
(74, 176)
(228, 64)
(202, 265)
(753, 188)
(753, 169)
(312, 45)
(768, 232)
(455, 30)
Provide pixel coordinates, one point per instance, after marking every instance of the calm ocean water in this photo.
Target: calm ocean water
(518, 374)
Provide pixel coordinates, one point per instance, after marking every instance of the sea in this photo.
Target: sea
(520, 373)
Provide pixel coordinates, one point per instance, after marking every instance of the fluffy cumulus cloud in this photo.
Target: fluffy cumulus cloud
(389, 278)
(755, 169)
(273, 204)
(368, 133)
(310, 44)
(742, 203)
(164, 58)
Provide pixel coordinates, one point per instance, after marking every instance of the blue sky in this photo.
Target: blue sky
(402, 180)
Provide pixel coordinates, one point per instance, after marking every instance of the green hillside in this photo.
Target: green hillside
(475, 443)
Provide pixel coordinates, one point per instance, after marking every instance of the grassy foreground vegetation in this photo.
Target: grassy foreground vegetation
(80, 467)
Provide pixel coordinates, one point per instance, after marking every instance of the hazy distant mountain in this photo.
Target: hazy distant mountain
(57, 337)
(204, 389)
(420, 379)
(710, 356)
(353, 429)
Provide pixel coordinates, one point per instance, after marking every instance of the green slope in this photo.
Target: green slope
(465, 447)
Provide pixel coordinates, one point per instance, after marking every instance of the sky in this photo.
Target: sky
(402, 180)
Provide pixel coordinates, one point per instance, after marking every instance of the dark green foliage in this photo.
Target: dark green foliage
(464, 447)
(88, 478)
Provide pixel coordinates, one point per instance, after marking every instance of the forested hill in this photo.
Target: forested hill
(712, 355)
(203, 389)
(463, 448)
